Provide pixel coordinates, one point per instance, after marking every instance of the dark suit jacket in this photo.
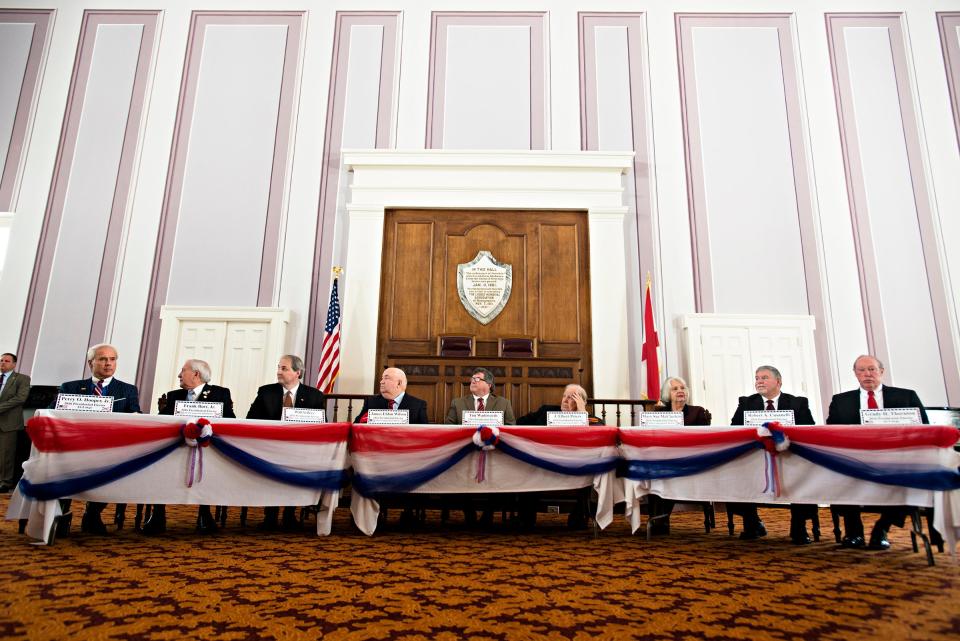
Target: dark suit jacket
(845, 406)
(209, 394)
(268, 405)
(754, 403)
(126, 398)
(12, 398)
(540, 416)
(417, 407)
(692, 414)
(466, 404)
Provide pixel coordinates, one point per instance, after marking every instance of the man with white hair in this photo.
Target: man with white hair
(195, 385)
(393, 396)
(102, 360)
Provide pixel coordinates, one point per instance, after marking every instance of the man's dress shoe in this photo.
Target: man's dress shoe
(853, 542)
(206, 524)
(157, 523)
(801, 538)
(754, 532)
(878, 540)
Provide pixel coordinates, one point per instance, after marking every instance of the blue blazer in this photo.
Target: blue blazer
(126, 398)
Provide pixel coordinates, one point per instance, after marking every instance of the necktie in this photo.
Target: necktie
(480, 406)
(287, 399)
(770, 405)
(872, 401)
(394, 405)
(98, 388)
(190, 395)
(2, 378)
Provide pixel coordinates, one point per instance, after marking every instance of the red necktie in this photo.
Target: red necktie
(480, 405)
(394, 405)
(770, 407)
(288, 399)
(98, 388)
(872, 401)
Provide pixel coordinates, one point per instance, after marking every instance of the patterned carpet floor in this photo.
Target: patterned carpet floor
(453, 582)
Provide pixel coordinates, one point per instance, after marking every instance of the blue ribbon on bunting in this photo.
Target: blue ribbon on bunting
(683, 466)
(369, 485)
(941, 479)
(319, 480)
(584, 469)
(70, 486)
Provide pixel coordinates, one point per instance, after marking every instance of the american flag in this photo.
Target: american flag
(330, 353)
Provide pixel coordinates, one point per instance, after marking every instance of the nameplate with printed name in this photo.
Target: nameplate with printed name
(661, 419)
(891, 416)
(490, 419)
(388, 417)
(757, 418)
(567, 419)
(198, 409)
(303, 415)
(84, 403)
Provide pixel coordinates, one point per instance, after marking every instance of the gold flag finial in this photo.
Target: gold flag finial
(337, 271)
(648, 279)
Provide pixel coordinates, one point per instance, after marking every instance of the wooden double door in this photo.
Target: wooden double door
(550, 298)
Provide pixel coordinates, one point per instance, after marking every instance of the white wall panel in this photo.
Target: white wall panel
(88, 202)
(487, 88)
(362, 101)
(226, 185)
(901, 275)
(15, 41)
(755, 251)
(614, 122)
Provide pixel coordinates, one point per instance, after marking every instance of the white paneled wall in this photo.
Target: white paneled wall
(742, 199)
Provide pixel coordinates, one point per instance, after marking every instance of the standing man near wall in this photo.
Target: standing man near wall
(14, 388)
(288, 391)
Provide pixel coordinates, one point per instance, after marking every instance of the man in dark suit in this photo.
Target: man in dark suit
(393, 396)
(768, 383)
(845, 410)
(14, 389)
(102, 360)
(480, 398)
(288, 391)
(195, 385)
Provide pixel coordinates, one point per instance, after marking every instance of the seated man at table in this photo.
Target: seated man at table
(574, 399)
(393, 396)
(102, 360)
(768, 383)
(845, 410)
(271, 399)
(481, 399)
(195, 385)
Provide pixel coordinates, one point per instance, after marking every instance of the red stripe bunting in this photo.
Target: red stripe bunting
(391, 438)
(62, 435)
(596, 436)
(874, 437)
(305, 433)
(645, 437)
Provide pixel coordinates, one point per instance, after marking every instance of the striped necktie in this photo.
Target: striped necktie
(98, 389)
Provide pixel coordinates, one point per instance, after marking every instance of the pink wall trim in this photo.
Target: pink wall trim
(589, 125)
(18, 138)
(949, 22)
(696, 195)
(438, 59)
(61, 177)
(856, 189)
(330, 173)
(159, 280)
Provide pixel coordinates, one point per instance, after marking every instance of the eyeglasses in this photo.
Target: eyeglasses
(477, 379)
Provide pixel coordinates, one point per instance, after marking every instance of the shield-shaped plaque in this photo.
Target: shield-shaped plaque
(484, 286)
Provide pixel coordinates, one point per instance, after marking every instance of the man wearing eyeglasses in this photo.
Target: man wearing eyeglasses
(481, 399)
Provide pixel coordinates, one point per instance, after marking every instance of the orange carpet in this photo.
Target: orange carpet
(450, 582)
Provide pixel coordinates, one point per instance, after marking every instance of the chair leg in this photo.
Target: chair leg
(120, 515)
(815, 523)
(835, 515)
(243, 516)
(917, 530)
(730, 525)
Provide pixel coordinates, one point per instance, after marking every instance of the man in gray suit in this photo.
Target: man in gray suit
(14, 388)
(481, 398)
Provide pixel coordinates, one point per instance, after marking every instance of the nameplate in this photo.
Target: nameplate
(891, 416)
(567, 419)
(303, 415)
(84, 403)
(784, 417)
(198, 409)
(661, 419)
(491, 419)
(388, 417)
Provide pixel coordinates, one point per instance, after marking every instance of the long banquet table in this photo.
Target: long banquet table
(135, 458)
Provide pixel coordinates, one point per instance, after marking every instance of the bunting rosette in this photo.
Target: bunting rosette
(197, 435)
(486, 439)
